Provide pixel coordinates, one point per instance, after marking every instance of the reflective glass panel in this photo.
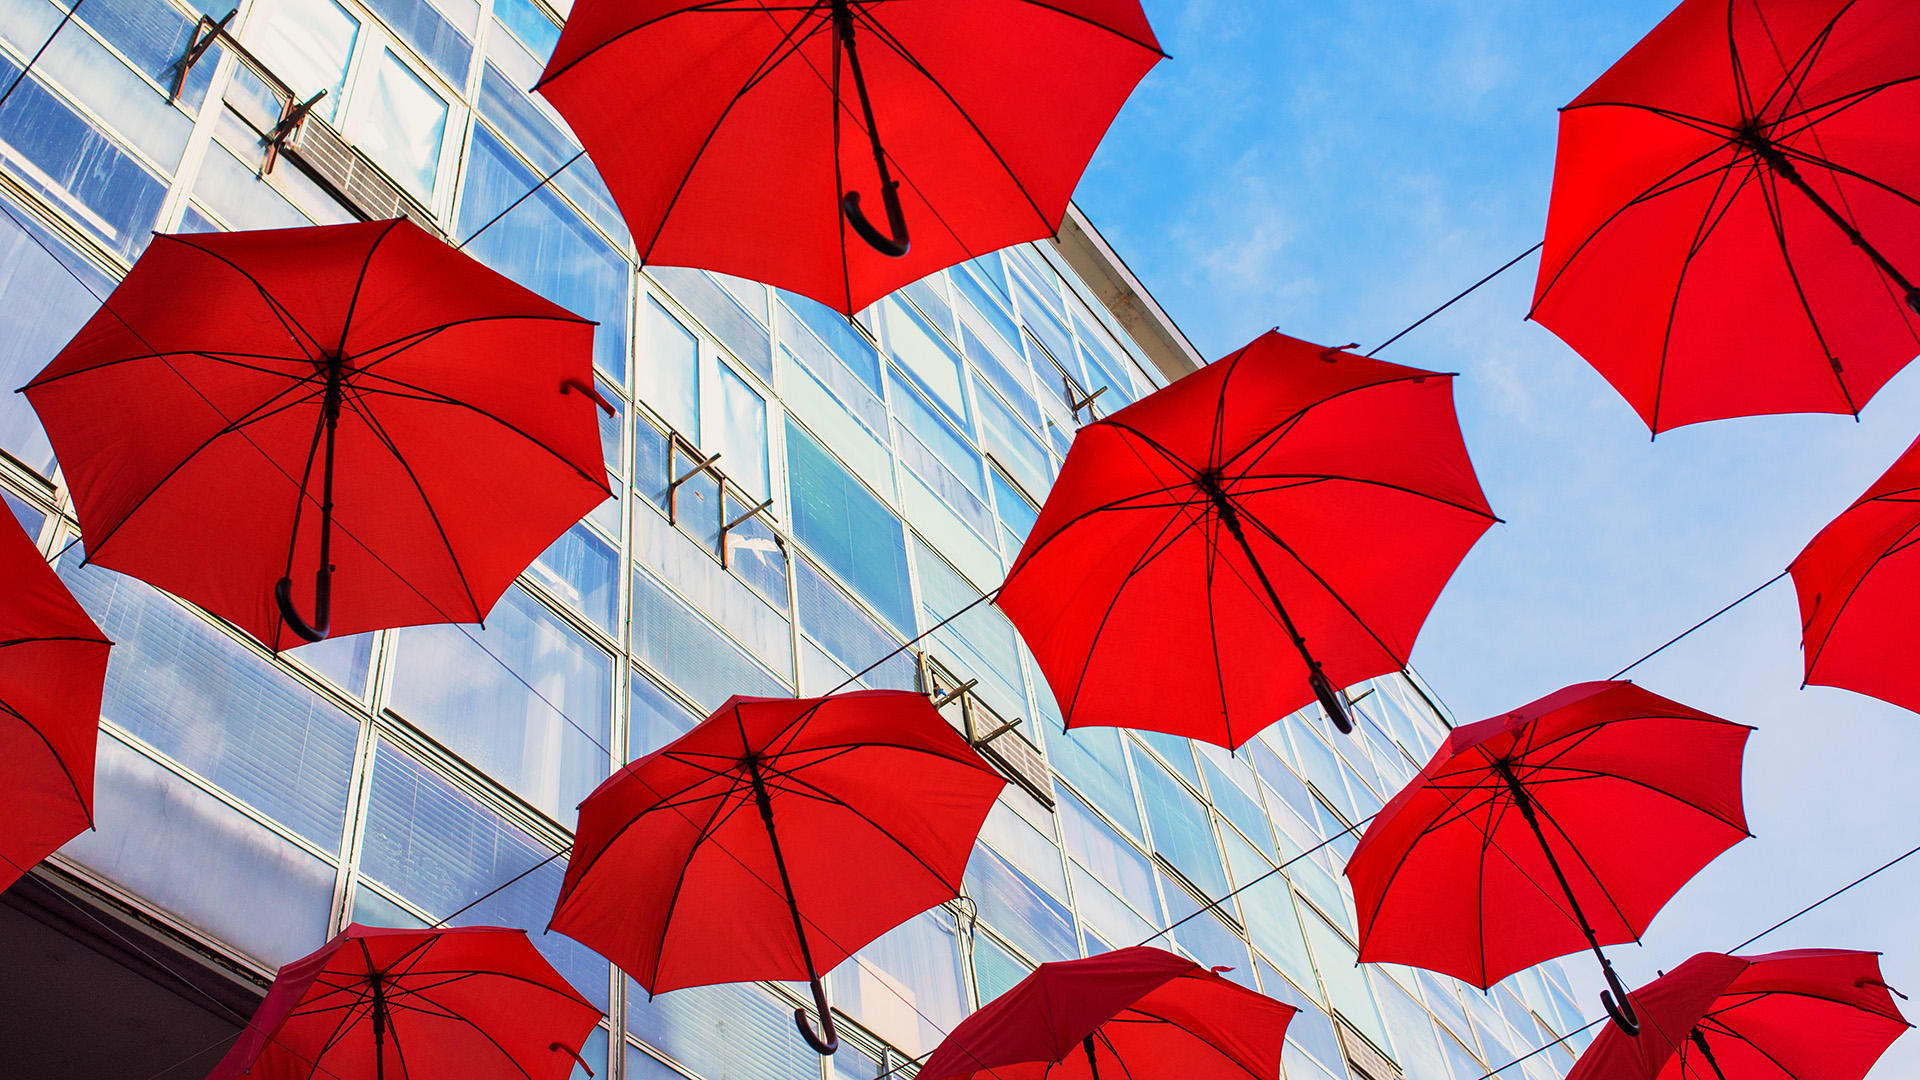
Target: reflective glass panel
(406, 126)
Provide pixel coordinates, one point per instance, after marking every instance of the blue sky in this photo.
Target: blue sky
(1338, 169)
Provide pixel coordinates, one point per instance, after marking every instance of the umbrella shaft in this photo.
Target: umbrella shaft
(1525, 803)
(1092, 1066)
(335, 376)
(760, 796)
(1232, 519)
(843, 27)
(379, 1028)
(1778, 161)
(1700, 1040)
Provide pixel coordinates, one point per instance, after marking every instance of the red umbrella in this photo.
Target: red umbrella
(1150, 1013)
(1857, 583)
(53, 665)
(693, 865)
(1621, 797)
(1734, 226)
(738, 136)
(202, 414)
(467, 1003)
(1808, 1014)
(1242, 542)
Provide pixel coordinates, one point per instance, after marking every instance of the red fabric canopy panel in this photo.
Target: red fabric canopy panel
(467, 1003)
(1137, 1012)
(1354, 500)
(1682, 258)
(1634, 794)
(1807, 1014)
(728, 132)
(875, 801)
(1859, 589)
(190, 419)
(53, 666)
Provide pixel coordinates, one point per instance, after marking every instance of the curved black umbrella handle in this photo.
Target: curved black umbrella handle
(322, 606)
(1618, 1005)
(828, 1040)
(1329, 699)
(590, 392)
(894, 246)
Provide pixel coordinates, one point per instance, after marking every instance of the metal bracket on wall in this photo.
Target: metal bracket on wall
(291, 117)
(700, 465)
(1075, 404)
(205, 33)
(729, 526)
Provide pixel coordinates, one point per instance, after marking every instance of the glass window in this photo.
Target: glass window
(740, 332)
(91, 75)
(531, 25)
(738, 1031)
(46, 294)
(1174, 751)
(693, 570)
(1015, 839)
(849, 633)
(1207, 938)
(240, 196)
(530, 129)
(743, 433)
(152, 34)
(685, 648)
(860, 436)
(432, 34)
(1012, 445)
(1444, 1000)
(180, 848)
(995, 970)
(58, 153)
(1233, 801)
(1415, 1042)
(1092, 760)
(907, 986)
(1100, 850)
(1266, 907)
(1310, 1029)
(848, 529)
(583, 571)
(930, 360)
(1182, 832)
(1019, 910)
(527, 699)
(844, 344)
(345, 661)
(406, 126)
(980, 642)
(207, 702)
(30, 519)
(440, 849)
(669, 378)
(655, 719)
(756, 553)
(544, 245)
(308, 44)
(1346, 983)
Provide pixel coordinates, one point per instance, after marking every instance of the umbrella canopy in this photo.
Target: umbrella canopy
(1857, 583)
(774, 840)
(1142, 1012)
(53, 666)
(1242, 542)
(352, 405)
(1567, 822)
(742, 137)
(1735, 223)
(1807, 1014)
(467, 1003)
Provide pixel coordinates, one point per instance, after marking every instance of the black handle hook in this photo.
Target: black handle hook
(1329, 699)
(828, 1040)
(895, 246)
(590, 392)
(322, 606)
(1618, 1005)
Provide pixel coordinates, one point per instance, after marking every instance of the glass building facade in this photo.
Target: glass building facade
(797, 496)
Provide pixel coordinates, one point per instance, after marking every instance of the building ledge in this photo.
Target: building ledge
(1102, 269)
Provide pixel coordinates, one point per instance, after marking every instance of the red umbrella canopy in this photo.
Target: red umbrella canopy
(1229, 548)
(1857, 583)
(53, 665)
(766, 140)
(1140, 1012)
(1734, 226)
(775, 839)
(1807, 1014)
(1567, 822)
(257, 407)
(466, 1003)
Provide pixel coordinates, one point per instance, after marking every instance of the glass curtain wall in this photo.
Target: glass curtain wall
(872, 476)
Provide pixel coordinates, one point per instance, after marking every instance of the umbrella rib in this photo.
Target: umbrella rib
(450, 1013)
(1858, 584)
(415, 337)
(1769, 191)
(1455, 814)
(431, 397)
(1833, 166)
(1312, 477)
(734, 788)
(770, 61)
(1595, 774)
(280, 312)
(1803, 64)
(1709, 222)
(65, 770)
(835, 800)
(1761, 1050)
(1129, 38)
(1605, 893)
(1805, 116)
(1210, 531)
(720, 816)
(231, 427)
(1315, 574)
(216, 355)
(366, 264)
(718, 7)
(364, 409)
(1650, 192)
(1152, 1017)
(1272, 436)
(1698, 123)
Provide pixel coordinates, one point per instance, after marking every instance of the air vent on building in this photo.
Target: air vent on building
(324, 155)
(1367, 1060)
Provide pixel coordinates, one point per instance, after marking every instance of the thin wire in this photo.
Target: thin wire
(548, 179)
(17, 79)
(856, 676)
(502, 887)
(1542, 1049)
(1211, 905)
(1462, 295)
(1698, 625)
(1883, 866)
